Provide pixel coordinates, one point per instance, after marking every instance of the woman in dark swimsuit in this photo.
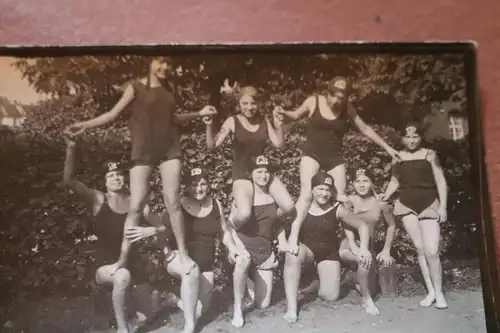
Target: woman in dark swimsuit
(251, 132)
(255, 236)
(368, 207)
(204, 222)
(109, 212)
(320, 244)
(422, 205)
(328, 121)
(155, 142)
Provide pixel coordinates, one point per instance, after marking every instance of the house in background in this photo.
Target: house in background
(12, 114)
(447, 120)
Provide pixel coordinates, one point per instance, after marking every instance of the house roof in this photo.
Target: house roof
(10, 109)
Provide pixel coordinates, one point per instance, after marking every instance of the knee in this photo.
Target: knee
(122, 279)
(328, 295)
(292, 261)
(193, 276)
(420, 249)
(241, 264)
(431, 253)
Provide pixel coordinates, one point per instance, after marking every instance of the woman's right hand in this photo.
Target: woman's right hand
(75, 129)
(207, 120)
(293, 247)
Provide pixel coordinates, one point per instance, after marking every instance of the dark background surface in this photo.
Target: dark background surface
(60, 22)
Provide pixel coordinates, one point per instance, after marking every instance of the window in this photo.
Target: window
(456, 127)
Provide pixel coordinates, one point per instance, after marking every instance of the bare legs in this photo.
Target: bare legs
(425, 236)
(364, 275)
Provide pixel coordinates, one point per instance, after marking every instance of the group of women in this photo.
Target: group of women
(261, 204)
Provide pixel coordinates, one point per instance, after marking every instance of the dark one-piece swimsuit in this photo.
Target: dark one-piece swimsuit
(200, 234)
(320, 234)
(258, 233)
(108, 226)
(247, 145)
(324, 138)
(417, 188)
(155, 136)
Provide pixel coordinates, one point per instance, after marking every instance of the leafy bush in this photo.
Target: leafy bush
(47, 242)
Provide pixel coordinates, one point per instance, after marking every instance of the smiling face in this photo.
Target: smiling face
(198, 189)
(322, 194)
(362, 185)
(247, 101)
(115, 181)
(160, 67)
(336, 98)
(261, 176)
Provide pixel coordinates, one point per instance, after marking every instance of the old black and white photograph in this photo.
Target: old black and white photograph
(239, 192)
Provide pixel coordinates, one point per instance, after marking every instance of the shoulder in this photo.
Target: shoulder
(384, 207)
(229, 123)
(99, 200)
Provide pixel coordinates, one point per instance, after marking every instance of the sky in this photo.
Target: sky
(13, 86)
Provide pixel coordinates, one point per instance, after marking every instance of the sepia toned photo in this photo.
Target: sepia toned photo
(224, 190)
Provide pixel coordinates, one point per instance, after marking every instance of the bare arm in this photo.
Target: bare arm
(391, 226)
(276, 134)
(355, 222)
(89, 195)
(393, 185)
(351, 240)
(367, 130)
(111, 115)
(187, 116)
(439, 177)
(227, 238)
(215, 142)
(305, 108)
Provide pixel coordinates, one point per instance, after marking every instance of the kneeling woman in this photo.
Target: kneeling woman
(204, 222)
(422, 206)
(256, 236)
(369, 208)
(320, 244)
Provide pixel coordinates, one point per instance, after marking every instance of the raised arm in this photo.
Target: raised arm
(304, 109)
(368, 131)
(275, 130)
(107, 117)
(207, 111)
(90, 196)
(441, 184)
(213, 141)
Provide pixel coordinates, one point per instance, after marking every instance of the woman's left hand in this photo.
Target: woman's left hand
(278, 117)
(135, 234)
(384, 258)
(208, 111)
(394, 154)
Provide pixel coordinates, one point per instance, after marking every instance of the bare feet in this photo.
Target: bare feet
(370, 307)
(238, 320)
(291, 316)
(441, 301)
(428, 300)
(188, 328)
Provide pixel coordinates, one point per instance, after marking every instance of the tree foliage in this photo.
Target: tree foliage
(47, 242)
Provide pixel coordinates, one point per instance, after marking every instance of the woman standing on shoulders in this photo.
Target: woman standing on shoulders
(422, 206)
(329, 116)
(155, 143)
(251, 131)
